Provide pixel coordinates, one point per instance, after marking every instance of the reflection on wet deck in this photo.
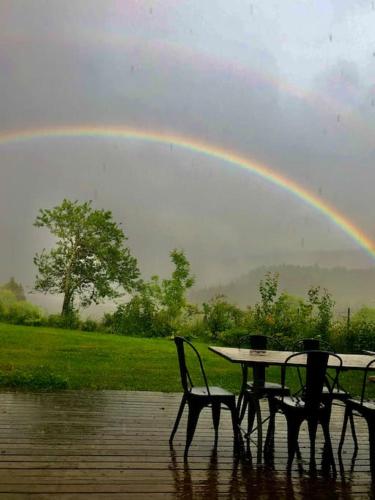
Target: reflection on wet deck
(114, 444)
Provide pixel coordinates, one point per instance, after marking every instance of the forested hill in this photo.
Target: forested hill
(349, 287)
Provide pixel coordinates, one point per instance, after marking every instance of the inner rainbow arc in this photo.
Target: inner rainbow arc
(210, 150)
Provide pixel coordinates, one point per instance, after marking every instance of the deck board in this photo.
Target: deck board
(114, 444)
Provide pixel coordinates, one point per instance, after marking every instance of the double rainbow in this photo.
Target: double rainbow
(213, 151)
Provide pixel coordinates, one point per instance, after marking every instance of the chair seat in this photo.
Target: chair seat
(367, 407)
(268, 387)
(294, 403)
(336, 394)
(197, 398)
(217, 392)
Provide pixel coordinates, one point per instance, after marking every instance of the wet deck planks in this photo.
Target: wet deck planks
(114, 444)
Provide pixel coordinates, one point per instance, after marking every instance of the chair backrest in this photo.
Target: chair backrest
(186, 380)
(315, 375)
(312, 344)
(259, 342)
(364, 383)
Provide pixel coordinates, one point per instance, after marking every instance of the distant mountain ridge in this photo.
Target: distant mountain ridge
(349, 287)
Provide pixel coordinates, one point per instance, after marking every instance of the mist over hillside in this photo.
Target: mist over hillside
(348, 274)
(349, 287)
(223, 267)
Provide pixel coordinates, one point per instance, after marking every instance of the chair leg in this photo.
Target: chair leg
(194, 411)
(269, 443)
(312, 424)
(242, 407)
(352, 426)
(371, 432)
(327, 438)
(343, 432)
(216, 407)
(251, 413)
(294, 425)
(178, 418)
(258, 414)
(235, 423)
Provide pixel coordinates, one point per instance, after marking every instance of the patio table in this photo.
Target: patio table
(252, 357)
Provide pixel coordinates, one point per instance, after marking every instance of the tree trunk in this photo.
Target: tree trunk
(67, 304)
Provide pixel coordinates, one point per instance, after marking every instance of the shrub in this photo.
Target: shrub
(193, 329)
(134, 318)
(24, 313)
(220, 315)
(356, 337)
(139, 317)
(232, 337)
(89, 325)
(19, 312)
(15, 288)
(362, 335)
(70, 321)
(7, 298)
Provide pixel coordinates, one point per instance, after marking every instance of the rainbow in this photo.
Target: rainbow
(203, 60)
(210, 150)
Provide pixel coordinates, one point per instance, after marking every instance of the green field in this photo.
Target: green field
(97, 361)
(46, 358)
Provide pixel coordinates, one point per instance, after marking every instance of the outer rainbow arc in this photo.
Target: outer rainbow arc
(213, 151)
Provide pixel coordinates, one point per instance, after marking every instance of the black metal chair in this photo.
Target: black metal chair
(311, 344)
(365, 409)
(311, 405)
(316, 344)
(198, 398)
(254, 390)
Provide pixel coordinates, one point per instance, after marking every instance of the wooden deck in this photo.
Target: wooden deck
(114, 444)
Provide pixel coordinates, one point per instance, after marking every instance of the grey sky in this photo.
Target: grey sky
(288, 83)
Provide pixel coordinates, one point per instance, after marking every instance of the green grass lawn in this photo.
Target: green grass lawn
(35, 357)
(50, 358)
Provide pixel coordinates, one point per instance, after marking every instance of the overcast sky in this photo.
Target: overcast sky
(290, 84)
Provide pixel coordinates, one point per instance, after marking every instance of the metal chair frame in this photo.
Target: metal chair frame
(315, 344)
(198, 398)
(310, 406)
(358, 408)
(252, 392)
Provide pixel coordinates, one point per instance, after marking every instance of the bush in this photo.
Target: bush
(355, 338)
(7, 298)
(70, 321)
(24, 313)
(19, 312)
(193, 329)
(233, 336)
(134, 318)
(220, 315)
(89, 325)
(362, 335)
(139, 317)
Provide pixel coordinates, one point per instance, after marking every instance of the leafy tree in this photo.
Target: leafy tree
(172, 292)
(89, 259)
(158, 305)
(292, 316)
(264, 312)
(220, 315)
(324, 305)
(15, 288)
